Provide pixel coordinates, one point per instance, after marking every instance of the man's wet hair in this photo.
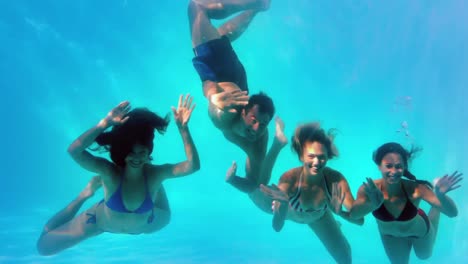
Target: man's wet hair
(264, 102)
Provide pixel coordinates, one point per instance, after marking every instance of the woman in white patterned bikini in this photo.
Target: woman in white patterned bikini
(310, 193)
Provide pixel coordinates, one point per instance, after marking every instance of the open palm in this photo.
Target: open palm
(374, 194)
(448, 183)
(184, 110)
(116, 115)
(229, 100)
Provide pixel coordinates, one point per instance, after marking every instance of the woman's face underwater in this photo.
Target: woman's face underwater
(138, 157)
(392, 168)
(314, 157)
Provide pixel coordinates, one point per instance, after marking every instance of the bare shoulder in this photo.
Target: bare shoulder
(291, 175)
(378, 183)
(209, 88)
(156, 174)
(222, 120)
(414, 189)
(155, 171)
(112, 177)
(333, 175)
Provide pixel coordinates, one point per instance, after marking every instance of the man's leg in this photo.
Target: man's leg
(234, 28)
(224, 8)
(200, 15)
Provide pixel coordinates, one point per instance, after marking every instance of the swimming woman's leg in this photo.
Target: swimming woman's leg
(63, 231)
(67, 213)
(423, 246)
(69, 234)
(329, 232)
(398, 249)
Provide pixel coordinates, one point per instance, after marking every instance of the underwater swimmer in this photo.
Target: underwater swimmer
(311, 193)
(394, 202)
(243, 120)
(134, 199)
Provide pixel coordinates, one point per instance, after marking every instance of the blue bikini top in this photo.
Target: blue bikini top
(115, 202)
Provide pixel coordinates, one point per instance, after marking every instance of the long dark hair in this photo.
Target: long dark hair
(406, 155)
(311, 132)
(138, 129)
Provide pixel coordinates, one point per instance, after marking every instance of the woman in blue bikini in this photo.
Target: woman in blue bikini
(134, 199)
(310, 193)
(394, 202)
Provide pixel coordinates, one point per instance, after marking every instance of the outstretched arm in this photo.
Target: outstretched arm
(342, 196)
(279, 196)
(369, 198)
(439, 198)
(78, 151)
(182, 116)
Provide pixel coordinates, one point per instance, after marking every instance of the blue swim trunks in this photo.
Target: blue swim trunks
(216, 61)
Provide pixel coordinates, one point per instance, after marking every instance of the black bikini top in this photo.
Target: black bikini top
(408, 213)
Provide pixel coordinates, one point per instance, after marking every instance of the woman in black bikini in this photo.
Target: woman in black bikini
(303, 193)
(394, 202)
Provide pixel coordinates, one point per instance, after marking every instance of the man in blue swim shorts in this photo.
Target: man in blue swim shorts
(243, 119)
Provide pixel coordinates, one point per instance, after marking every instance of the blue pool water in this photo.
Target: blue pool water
(364, 68)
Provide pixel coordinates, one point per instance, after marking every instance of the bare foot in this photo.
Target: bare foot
(279, 133)
(231, 172)
(93, 185)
